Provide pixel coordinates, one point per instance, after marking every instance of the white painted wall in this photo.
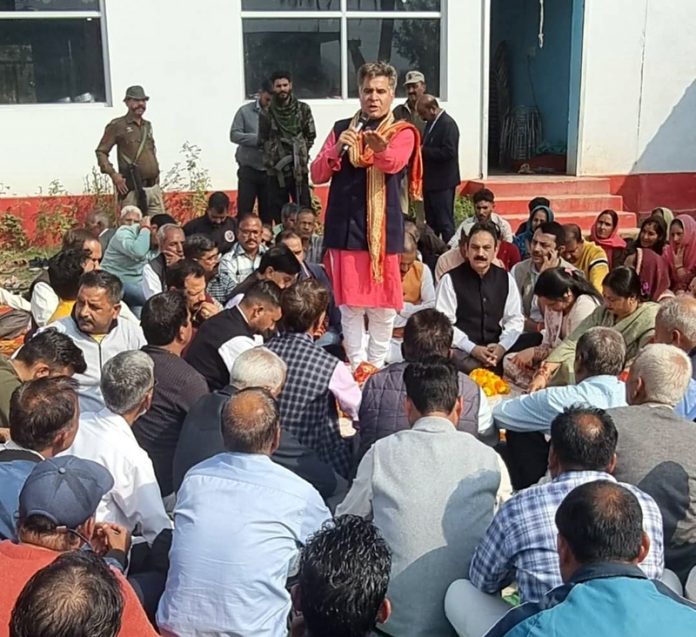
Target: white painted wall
(637, 111)
(188, 56)
(639, 87)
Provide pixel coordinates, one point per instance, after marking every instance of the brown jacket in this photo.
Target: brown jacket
(125, 133)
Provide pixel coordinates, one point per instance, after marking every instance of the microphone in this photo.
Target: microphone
(358, 127)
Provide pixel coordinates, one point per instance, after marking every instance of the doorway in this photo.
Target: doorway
(534, 86)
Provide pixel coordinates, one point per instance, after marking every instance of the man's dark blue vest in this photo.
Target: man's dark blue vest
(346, 213)
(480, 302)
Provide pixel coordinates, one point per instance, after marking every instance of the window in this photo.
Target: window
(323, 42)
(51, 51)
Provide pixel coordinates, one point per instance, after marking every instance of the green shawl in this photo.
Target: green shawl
(286, 116)
(637, 330)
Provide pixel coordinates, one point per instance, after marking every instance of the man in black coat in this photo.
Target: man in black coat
(440, 151)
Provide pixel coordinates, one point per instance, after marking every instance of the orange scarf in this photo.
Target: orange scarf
(362, 156)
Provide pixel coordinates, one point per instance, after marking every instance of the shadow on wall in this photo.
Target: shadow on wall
(672, 150)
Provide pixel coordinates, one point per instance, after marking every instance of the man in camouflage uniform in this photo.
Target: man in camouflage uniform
(137, 179)
(286, 133)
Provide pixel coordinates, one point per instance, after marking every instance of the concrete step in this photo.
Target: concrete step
(563, 203)
(628, 221)
(540, 186)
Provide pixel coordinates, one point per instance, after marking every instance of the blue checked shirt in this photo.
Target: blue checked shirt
(220, 287)
(520, 543)
(238, 265)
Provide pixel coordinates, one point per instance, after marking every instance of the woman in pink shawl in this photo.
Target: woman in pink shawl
(605, 233)
(680, 254)
(652, 272)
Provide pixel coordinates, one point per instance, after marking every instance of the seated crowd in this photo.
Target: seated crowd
(188, 452)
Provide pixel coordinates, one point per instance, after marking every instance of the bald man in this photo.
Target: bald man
(440, 152)
(275, 513)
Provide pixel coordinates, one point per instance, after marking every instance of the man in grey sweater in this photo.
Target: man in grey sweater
(432, 491)
(657, 448)
(252, 181)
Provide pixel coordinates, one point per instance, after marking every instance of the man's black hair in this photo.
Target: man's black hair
(343, 578)
(266, 292)
(553, 228)
(484, 194)
(281, 74)
(55, 349)
(219, 202)
(105, 281)
(601, 521)
(584, 438)
(281, 259)
(432, 385)
(76, 595)
(196, 245)
(178, 273)
(64, 271)
(163, 316)
(162, 219)
(40, 409)
(484, 226)
(427, 332)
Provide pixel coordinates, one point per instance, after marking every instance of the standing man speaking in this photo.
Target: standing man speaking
(366, 158)
(137, 179)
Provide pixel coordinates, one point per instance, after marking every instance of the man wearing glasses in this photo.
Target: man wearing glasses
(245, 256)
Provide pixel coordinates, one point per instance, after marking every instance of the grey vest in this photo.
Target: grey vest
(382, 410)
(434, 491)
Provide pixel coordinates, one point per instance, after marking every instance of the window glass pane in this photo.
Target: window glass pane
(289, 5)
(394, 5)
(49, 5)
(309, 49)
(54, 60)
(406, 44)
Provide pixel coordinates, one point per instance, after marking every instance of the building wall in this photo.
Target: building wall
(188, 56)
(638, 96)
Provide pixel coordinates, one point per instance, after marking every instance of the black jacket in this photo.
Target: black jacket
(201, 438)
(440, 152)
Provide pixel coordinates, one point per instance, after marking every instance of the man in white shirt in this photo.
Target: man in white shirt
(170, 239)
(599, 358)
(481, 300)
(106, 437)
(240, 522)
(97, 328)
(246, 254)
(484, 210)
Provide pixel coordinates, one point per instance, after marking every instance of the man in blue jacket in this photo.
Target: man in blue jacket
(600, 544)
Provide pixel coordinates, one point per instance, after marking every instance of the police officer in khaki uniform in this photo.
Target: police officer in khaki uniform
(137, 177)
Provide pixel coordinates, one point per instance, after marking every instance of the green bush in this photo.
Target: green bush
(463, 208)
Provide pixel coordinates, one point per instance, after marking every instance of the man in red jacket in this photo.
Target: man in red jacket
(56, 515)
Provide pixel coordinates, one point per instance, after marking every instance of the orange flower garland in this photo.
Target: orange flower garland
(490, 382)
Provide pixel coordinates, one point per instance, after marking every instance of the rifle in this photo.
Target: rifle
(297, 169)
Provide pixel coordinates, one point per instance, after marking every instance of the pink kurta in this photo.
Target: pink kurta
(350, 270)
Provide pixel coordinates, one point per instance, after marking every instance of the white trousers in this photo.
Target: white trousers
(380, 322)
(471, 612)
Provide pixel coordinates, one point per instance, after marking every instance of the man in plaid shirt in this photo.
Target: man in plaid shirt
(520, 543)
(246, 254)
